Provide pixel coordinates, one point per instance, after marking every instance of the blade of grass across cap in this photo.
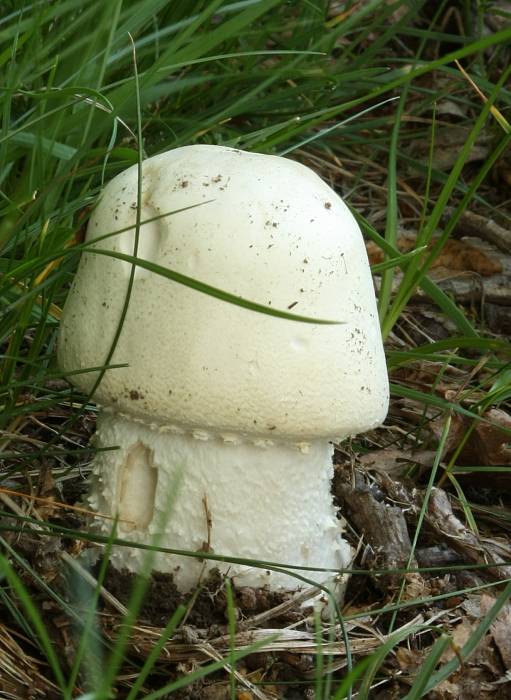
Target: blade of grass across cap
(166, 272)
(210, 290)
(39, 263)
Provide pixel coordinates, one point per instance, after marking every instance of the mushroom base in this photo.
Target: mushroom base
(233, 498)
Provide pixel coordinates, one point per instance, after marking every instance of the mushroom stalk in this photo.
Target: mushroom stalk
(184, 491)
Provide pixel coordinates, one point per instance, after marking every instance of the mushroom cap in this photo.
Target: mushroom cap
(268, 229)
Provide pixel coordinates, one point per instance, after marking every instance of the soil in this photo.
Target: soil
(208, 608)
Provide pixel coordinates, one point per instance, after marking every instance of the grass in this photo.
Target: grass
(90, 88)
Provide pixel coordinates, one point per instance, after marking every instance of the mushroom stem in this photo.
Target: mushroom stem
(257, 499)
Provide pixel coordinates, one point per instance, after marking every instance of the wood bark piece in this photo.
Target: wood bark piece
(437, 555)
(476, 225)
(383, 526)
(441, 522)
(474, 271)
(470, 288)
(446, 524)
(449, 139)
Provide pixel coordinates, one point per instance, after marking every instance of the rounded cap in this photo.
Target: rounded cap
(269, 230)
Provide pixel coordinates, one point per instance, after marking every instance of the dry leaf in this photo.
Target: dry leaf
(409, 661)
(460, 636)
(456, 256)
(416, 587)
(490, 441)
(392, 461)
(446, 690)
(500, 628)
(449, 140)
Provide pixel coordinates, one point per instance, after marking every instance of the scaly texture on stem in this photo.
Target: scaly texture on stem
(269, 503)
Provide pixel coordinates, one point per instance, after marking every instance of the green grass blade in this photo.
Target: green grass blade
(7, 572)
(210, 290)
(156, 651)
(470, 646)
(391, 225)
(428, 667)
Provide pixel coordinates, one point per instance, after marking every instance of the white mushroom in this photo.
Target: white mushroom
(222, 411)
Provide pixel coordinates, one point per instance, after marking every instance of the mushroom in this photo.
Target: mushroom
(224, 417)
